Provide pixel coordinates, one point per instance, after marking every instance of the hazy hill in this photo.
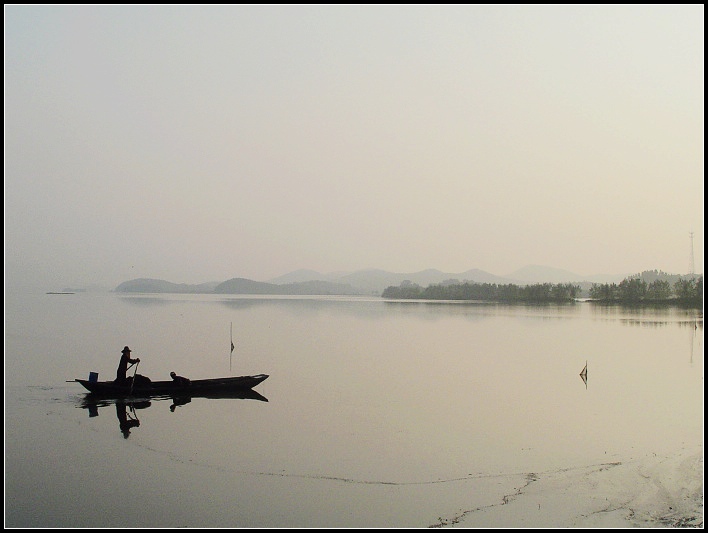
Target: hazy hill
(320, 287)
(374, 281)
(301, 282)
(245, 286)
(652, 275)
(313, 287)
(299, 276)
(162, 286)
(544, 274)
(480, 276)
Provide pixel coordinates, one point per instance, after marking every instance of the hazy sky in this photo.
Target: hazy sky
(199, 144)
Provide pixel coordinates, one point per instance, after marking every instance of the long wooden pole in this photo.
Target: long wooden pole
(132, 383)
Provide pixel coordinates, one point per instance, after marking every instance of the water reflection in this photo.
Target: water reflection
(370, 307)
(651, 314)
(126, 408)
(362, 307)
(177, 401)
(127, 421)
(145, 300)
(374, 307)
(125, 412)
(694, 330)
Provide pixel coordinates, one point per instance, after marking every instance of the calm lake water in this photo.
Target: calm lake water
(376, 413)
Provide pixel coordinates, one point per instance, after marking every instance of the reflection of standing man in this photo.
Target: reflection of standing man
(124, 420)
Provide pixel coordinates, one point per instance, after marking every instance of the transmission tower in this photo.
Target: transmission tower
(690, 260)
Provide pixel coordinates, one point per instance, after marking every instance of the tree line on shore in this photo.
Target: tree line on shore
(632, 290)
(539, 292)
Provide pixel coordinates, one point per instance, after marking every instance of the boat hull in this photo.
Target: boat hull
(159, 388)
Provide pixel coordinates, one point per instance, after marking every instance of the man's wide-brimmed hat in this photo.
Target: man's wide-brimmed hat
(126, 349)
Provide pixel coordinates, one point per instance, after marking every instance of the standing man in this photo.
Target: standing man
(123, 365)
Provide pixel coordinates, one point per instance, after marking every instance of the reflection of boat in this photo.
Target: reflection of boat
(215, 387)
(92, 401)
(126, 407)
(243, 394)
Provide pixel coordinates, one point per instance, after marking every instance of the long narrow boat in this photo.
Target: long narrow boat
(158, 388)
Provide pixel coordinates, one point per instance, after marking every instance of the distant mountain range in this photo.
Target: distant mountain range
(363, 282)
(375, 281)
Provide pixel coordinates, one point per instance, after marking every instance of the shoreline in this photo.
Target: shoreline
(653, 491)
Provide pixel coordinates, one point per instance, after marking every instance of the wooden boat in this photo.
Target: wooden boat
(197, 387)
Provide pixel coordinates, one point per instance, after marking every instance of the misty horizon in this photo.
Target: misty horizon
(527, 274)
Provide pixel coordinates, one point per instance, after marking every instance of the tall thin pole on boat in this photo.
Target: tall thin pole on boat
(134, 376)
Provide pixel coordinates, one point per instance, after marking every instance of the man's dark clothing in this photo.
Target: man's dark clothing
(123, 367)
